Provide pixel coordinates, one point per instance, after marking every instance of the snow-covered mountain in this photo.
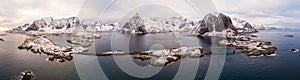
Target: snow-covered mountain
(242, 26)
(64, 25)
(263, 27)
(138, 24)
(135, 25)
(216, 22)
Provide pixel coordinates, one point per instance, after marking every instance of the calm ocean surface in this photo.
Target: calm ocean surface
(285, 65)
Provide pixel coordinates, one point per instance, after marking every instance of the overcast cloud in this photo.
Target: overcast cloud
(270, 12)
(283, 13)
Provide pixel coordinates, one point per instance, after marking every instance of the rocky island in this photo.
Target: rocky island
(162, 57)
(252, 47)
(26, 75)
(42, 45)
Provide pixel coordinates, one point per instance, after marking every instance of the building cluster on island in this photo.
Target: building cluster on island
(213, 24)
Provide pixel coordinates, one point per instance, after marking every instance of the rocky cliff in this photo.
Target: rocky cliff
(214, 22)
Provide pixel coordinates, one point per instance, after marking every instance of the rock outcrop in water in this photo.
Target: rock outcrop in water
(294, 50)
(26, 75)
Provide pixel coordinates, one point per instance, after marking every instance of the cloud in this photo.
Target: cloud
(149, 8)
(18, 12)
(270, 12)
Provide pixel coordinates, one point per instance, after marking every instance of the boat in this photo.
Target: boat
(294, 50)
(253, 36)
(288, 35)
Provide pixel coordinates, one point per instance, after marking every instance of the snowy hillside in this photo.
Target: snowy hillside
(64, 25)
(138, 24)
(242, 25)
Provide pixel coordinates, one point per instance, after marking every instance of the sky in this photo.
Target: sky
(281, 13)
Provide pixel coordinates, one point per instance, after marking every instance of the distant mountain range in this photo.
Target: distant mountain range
(138, 24)
(64, 25)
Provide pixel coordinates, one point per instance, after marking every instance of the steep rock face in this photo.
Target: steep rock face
(226, 21)
(243, 26)
(135, 25)
(214, 22)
